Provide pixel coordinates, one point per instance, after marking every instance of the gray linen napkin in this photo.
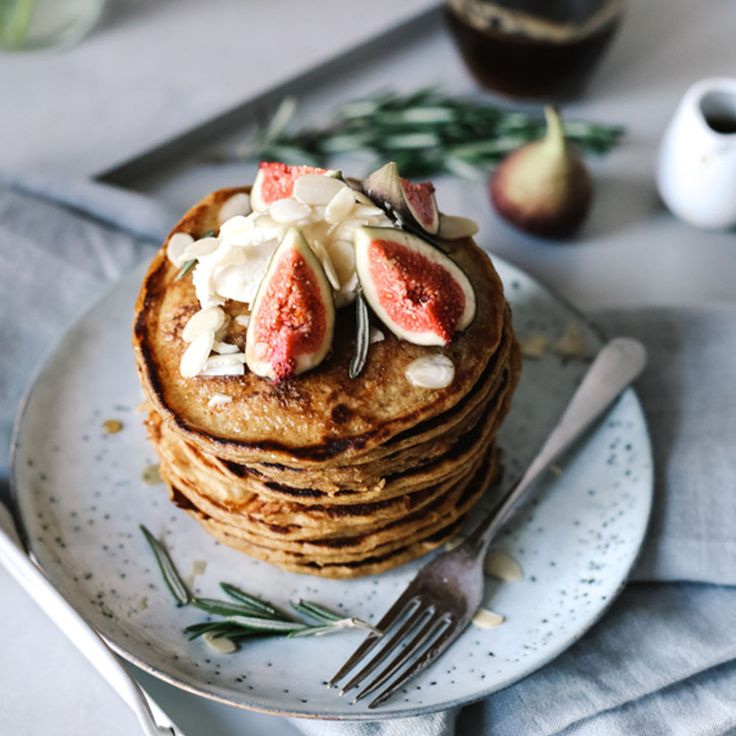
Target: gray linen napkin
(663, 661)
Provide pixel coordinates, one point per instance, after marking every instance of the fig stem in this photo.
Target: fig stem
(555, 130)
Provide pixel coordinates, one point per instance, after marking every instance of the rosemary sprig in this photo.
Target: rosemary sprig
(185, 269)
(247, 616)
(362, 337)
(190, 264)
(170, 574)
(427, 132)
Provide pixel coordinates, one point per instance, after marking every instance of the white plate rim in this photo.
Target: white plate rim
(258, 707)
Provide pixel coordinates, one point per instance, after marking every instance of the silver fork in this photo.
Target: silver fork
(444, 596)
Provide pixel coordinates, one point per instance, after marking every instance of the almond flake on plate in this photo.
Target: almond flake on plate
(177, 244)
(503, 567)
(195, 356)
(243, 320)
(487, 619)
(219, 644)
(238, 204)
(210, 319)
(572, 343)
(534, 345)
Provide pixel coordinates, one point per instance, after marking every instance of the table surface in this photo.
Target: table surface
(630, 252)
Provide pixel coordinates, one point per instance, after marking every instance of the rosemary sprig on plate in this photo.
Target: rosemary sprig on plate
(246, 616)
(427, 132)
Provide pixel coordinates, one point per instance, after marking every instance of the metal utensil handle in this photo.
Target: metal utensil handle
(616, 366)
(88, 641)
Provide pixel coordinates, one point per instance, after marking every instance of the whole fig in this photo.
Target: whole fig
(543, 187)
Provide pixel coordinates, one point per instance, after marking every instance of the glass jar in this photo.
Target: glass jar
(35, 24)
(540, 49)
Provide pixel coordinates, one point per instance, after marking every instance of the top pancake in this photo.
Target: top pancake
(317, 417)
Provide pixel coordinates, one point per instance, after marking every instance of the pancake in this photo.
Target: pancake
(322, 474)
(345, 561)
(324, 415)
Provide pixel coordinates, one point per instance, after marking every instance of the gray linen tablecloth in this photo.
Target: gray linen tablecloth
(663, 661)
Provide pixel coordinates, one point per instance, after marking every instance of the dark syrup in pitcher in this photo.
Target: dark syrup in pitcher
(543, 49)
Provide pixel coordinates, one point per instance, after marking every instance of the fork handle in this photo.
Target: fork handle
(616, 366)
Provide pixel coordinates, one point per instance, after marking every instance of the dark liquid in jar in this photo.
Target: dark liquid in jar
(529, 65)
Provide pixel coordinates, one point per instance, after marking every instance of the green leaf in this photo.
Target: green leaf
(255, 623)
(225, 608)
(315, 610)
(169, 572)
(185, 269)
(362, 337)
(255, 603)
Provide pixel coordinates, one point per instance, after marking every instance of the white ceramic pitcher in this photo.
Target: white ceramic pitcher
(696, 173)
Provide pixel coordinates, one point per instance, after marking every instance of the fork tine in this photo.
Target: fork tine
(409, 624)
(396, 612)
(427, 634)
(430, 654)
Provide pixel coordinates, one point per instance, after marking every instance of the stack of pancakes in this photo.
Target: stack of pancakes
(320, 473)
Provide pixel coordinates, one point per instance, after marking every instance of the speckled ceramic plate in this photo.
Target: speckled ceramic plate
(81, 497)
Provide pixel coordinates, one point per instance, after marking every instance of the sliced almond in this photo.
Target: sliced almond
(289, 210)
(223, 370)
(375, 336)
(342, 255)
(218, 361)
(238, 204)
(243, 320)
(219, 644)
(206, 320)
(503, 567)
(196, 355)
(200, 248)
(225, 348)
(433, 371)
(572, 343)
(487, 619)
(340, 206)
(534, 345)
(316, 189)
(454, 228)
(326, 261)
(367, 211)
(177, 244)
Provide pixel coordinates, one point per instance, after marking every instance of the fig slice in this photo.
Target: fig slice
(417, 291)
(275, 180)
(293, 315)
(413, 202)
